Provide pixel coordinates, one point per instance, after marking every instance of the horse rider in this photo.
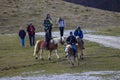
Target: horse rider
(79, 32)
(72, 40)
(47, 39)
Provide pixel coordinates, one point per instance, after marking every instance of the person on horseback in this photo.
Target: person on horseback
(47, 39)
(79, 32)
(48, 24)
(72, 40)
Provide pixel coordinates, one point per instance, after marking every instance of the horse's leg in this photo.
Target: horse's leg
(56, 51)
(81, 56)
(77, 59)
(70, 60)
(49, 55)
(41, 51)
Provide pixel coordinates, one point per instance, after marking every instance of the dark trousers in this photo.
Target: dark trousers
(61, 31)
(47, 44)
(32, 40)
(50, 32)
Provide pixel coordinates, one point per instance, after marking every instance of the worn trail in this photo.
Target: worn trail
(108, 41)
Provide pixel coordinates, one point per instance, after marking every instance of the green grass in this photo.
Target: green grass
(111, 31)
(15, 60)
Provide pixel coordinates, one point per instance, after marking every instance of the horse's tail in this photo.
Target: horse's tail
(36, 48)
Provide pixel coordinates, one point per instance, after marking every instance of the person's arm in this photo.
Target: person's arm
(75, 33)
(81, 35)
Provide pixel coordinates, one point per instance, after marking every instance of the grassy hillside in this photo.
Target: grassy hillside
(14, 13)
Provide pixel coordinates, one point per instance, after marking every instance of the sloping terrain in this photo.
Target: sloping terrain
(110, 5)
(15, 13)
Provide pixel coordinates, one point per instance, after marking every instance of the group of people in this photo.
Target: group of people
(48, 23)
(71, 39)
(31, 33)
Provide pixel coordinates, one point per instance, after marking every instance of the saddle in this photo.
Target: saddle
(44, 44)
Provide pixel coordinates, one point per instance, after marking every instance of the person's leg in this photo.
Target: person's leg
(33, 41)
(23, 43)
(62, 31)
(74, 49)
(30, 39)
(50, 33)
(47, 45)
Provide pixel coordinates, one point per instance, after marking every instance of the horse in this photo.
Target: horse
(53, 45)
(79, 47)
(70, 54)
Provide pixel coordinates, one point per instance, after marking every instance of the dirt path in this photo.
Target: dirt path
(108, 41)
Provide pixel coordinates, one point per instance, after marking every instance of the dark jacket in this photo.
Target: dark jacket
(47, 24)
(71, 40)
(47, 37)
(22, 34)
(31, 30)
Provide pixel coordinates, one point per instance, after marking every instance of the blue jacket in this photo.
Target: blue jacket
(78, 33)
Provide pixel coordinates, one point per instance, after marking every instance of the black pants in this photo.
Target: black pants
(50, 32)
(32, 40)
(47, 44)
(61, 31)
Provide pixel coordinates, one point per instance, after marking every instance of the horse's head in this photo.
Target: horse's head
(62, 40)
(78, 39)
(67, 49)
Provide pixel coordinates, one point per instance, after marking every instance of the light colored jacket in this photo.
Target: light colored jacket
(61, 23)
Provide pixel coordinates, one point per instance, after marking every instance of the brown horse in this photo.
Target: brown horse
(53, 45)
(79, 47)
(70, 54)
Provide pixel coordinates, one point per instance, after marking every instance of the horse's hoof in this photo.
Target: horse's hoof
(36, 58)
(72, 64)
(42, 59)
(49, 59)
(82, 58)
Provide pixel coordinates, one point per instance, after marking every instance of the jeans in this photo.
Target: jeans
(22, 42)
(74, 49)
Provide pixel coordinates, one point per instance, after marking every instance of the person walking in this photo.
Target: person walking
(31, 33)
(79, 32)
(61, 25)
(22, 35)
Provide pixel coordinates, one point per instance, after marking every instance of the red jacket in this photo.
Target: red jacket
(31, 30)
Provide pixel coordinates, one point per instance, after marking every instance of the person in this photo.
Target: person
(31, 33)
(72, 40)
(61, 25)
(48, 17)
(79, 32)
(22, 35)
(47, 39)
(48, 24)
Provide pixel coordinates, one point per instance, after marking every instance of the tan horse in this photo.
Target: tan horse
(70, 54)
(79, 48)
(53, 45)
